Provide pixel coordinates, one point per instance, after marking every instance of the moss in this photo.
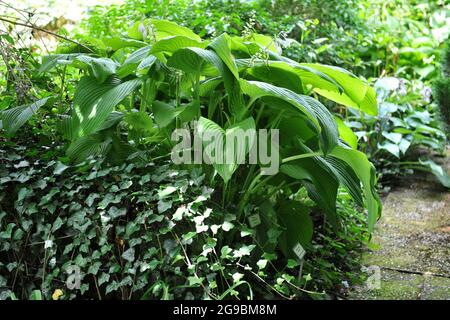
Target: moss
(411, 235)
(393, 259)
(398, 286)
(436, 288)
(393, 286)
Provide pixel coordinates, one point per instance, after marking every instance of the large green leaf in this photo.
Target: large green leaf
(139, 120)
(146, 63)
(94, 101)
(230, 74)
(112, 120)
(307, 75)
(219, 140)
(116, 43)
(87, 93)
(69, 127)
(66, 127)
(166, 28)
(277, 76)
(312, 108)
(295, 127)
(438, 171)
(357, 93)
(346, 133)
(221, 45)
(104, 142)
(101, 68)
(133, 60)
(196, 60)
(333, 83)
(87, 146)
(172, 44)
(365, 171)
(14, 118)
(321, 184)
(191, 60)
(161, 29)
(346, 177)
(354, 87)
(390, 147)
(52, 60)
(165, 113)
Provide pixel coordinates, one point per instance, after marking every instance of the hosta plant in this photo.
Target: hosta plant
(137, 88)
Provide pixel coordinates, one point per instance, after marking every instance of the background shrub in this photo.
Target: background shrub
(442, 87)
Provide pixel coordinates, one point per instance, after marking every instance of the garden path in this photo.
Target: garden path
(413, 235)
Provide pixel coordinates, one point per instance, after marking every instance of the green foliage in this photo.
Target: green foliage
(442, 95)
(102, 198)
(127, 100)
(302, 27)
(14, 118)
(406, 123)
(402, 39)
(123, 226)
(181, 65)
(442, 88)
(145, 231)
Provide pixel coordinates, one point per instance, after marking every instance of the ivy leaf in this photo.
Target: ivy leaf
(167, 191)
(164, 206)
(60, 168)
(129, 255)
(244, 251)
(114, 212)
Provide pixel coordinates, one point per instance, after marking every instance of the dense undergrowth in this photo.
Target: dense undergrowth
(86, 176)
(147, 230)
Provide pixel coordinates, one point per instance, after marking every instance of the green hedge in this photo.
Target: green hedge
(442, 87)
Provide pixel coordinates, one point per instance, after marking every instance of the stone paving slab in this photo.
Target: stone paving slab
(414, 232)
(414, 239)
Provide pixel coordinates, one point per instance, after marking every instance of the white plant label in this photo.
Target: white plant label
(299, 251)
(254, 220)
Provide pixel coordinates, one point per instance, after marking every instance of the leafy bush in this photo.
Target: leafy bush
(303, 27)
(131, 94)
(175, 77)
(406, 122)
(442, 88)
(367, 37)
(107, 201)
(146, 231)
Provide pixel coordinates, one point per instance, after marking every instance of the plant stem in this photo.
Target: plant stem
(302, 156)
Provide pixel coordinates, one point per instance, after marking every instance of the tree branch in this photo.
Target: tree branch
(46, 31)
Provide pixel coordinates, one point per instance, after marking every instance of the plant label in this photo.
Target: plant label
(254, 220)
(299, 251)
